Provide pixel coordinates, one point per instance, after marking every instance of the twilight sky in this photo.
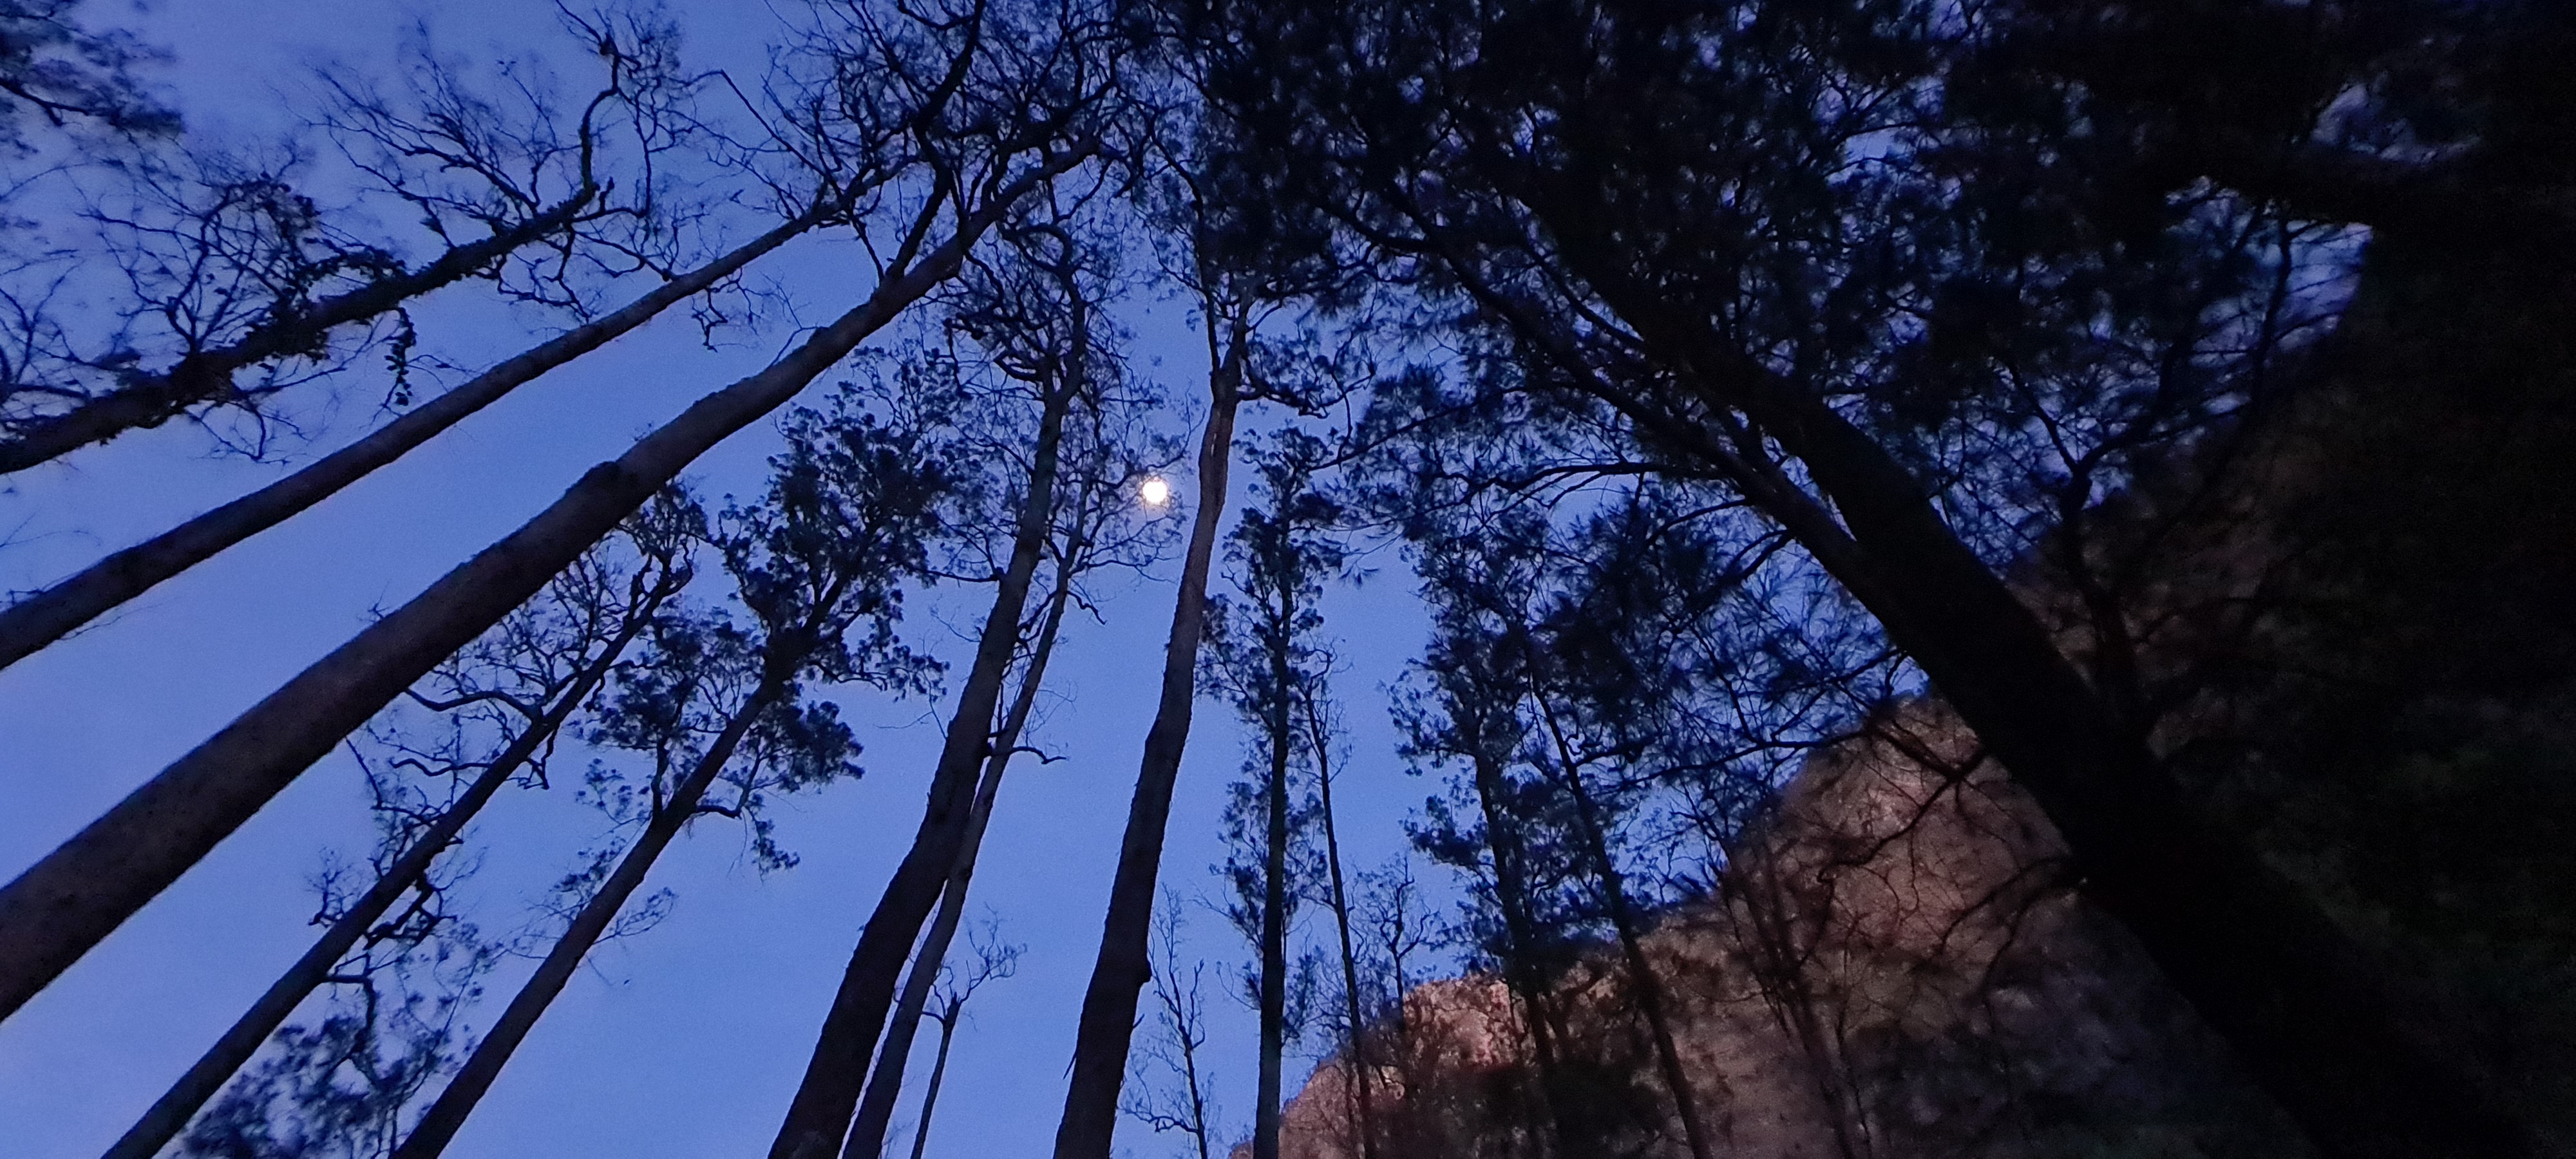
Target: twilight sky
(687, 1040)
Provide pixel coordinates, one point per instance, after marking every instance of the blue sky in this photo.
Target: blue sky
(689, 1039)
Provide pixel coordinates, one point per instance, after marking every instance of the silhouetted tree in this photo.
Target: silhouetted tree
(45, 616)
(1264, 658)
(58, 70)
(1177, 1100)
(994, 961)
(1086, 433)
(1319, 723)
(1466, 710)
(1736, 237)
(1034, 317)
(820, 566)
(1230, 309)
(205, 283)
(977, 132)
(509, 696)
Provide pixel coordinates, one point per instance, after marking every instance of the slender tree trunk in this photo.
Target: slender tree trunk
(876, 1107)
(819, 1118)
(170, 1114)
(438, 1126)
(49, 615)
(64, 904)
(930, 1093)
(207, 376)
(1274, 896)
(1124, 965)
(1771, 912)
(1641, 972)
(1200, 1128)
(1363, 1075)
(1180, 1011)
(1520, 973)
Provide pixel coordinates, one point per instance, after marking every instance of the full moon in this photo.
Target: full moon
(1155, 492)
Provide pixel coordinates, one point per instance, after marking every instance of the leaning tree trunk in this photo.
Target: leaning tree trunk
(170, 1114)
(876, 1107)
(938, 1071)
(1123, 966)
(1354, 1051)
(207, 375)
(1521, 971)
(819, 1117)
(2314, 1014)
(1641, 971)
(64, 904)
(438, 1126)
(49, 615)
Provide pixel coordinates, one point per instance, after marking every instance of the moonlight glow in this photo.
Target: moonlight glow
(1155, 492)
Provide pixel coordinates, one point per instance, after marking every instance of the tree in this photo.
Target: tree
(972, 151)
(525, 681)
(1180, 1033)
(192, 270)
(1099, 463)
(1584, 715)
(1035, 320)
(819, 565)
(1264, 660)
(64, 74)
(1733, 234)
(1467, 710)
(1233, 303)
(1652, 664)
(1320, 727)
(39, 619)
(397, 999)
(994, 961)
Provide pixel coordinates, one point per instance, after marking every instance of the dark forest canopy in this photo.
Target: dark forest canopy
(2156, 411)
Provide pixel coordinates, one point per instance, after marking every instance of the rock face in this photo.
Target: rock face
(1895, 967)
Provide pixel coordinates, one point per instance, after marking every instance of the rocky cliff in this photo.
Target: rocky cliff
(1896, 966)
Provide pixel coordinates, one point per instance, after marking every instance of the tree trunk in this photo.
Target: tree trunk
(446, 1116)
(1641, 972)
(876, 1107)
(1274, 898)
(207, 376)
(170, 1114)
(1520, 972)
(2312, 1012)
(1123, 965)
(1771, 912)
(1363, 1075)
(820, 1115)
(49, 615)
(63, 905)
(930, 1093)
